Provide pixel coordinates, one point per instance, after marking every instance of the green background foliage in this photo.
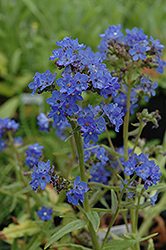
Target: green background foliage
(28, 32)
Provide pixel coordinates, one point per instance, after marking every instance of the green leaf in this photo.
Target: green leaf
(110, 150)
(74, 225)
(15, 61)
(113, 201)
(72, 246)
(28, 228)
(34, 242)
(150, 245)
(9, 107)
(119, 244)
(95, 219)
(126, 241)
(15, 245)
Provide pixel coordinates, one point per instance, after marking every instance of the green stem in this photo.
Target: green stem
(138, 136)
(126, 124)
(112, 146)
(21, 170)
(80, 151)
(117, 211)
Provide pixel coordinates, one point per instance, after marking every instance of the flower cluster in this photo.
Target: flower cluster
(40, 176)
(33, 153)
(42, 81)
(77, 194)
(96, 152)
(43, 122)
(45, 213)
(144, 168)
(6, 125)
(99, 173)
(91, 127)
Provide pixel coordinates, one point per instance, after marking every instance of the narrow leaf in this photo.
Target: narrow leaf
(110, 150)
(71, 246)
(94, 219)
(114, 201)
(74, 225)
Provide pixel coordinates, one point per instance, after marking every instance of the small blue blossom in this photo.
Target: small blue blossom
(121, 100)
(8, 124)
(43, 167)
(130, 195)
(153, 198)
(67, 42)
(114, 114)
(110, 86)
(147, 87)
(43, 122)
(157, 47)
(113, 32)
(134, 36)
(2, 144)
(69, 108)
(81, 81)
(57, 114)
(33, 153)
(138, 51)
(67, 84)
(130, 166)
(161, 66)
(98, 79)
(42, 81)
(57, 99)
(18, 141)
(99, 173)
(144, 168)
(87, 124)
(45, 213)
(61, 127)
(79, 189)
(40, 176)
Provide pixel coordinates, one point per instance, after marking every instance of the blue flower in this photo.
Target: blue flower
(2, 144)
(130, 166)
(8, 124)
(138, 51)
(40, 176)
(114, 113)
(57, 114)
(67, 42)
(147, 87)
(42, 81)
(110, 86)
(67, 84)
(161, 65)
(113, 32)
(87, 124)
(45, 213)
(157, 47)
(43, 167)
(99, 173)
(81, 81)
(67, 58)
(153, 198)
(79, 189)
(43, 122)
(57, 99)
(33, 153)
(144, 168)
(98, 79)
(134, 36)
